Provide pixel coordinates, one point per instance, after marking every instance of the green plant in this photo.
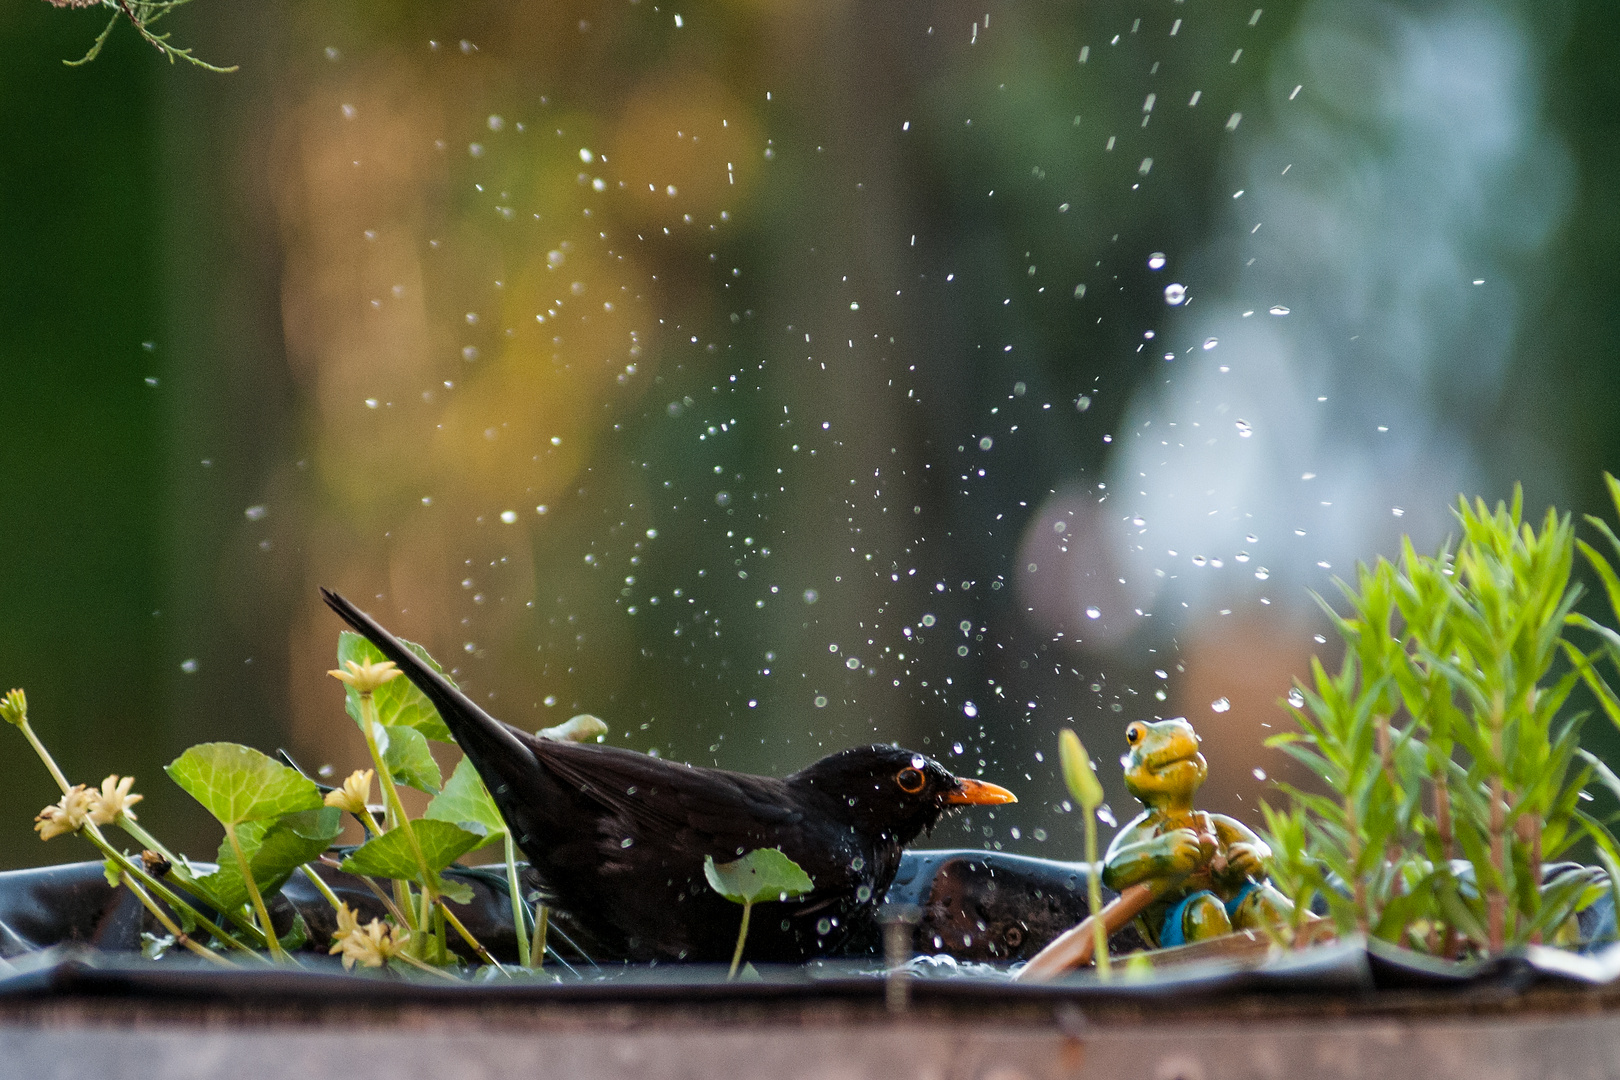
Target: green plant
(276, 822)
(1454, 770)
(762, 874)
(1087, 791)
(142, 15)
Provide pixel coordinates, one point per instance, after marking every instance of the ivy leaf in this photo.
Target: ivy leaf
(762, 874)
(390, 855)
(465, 801)
(274, 849)
(236, 783)
(399, 703)
(409, 759)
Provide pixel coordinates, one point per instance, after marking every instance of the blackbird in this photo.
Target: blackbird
(618, 838)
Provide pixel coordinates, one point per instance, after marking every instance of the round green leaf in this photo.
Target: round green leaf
(390, 855)
(399, 703)
(466, 802)
(762, 874)
(236, 783)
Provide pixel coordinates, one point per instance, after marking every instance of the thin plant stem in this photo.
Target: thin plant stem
(368, 712)
(258, 900)
(393, 908)
(180, 935)
(45, 756)
(425, 966)
(322, 887)
(168, 895)
(142, 836)
(472, 942)
(1099, 949)
(742, 936)
(186, 880)
(524, 955)
(537, 947)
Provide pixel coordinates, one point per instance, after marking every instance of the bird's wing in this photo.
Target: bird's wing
(711, 811)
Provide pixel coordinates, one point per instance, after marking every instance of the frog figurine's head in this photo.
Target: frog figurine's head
(1163, 766)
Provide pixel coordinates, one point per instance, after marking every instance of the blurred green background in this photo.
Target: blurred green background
(769, 377)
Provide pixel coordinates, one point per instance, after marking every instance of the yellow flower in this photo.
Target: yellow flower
(366, 677)
(113, 799)
(371, 945)
(352, 795)
(66, 816)
(14, 707)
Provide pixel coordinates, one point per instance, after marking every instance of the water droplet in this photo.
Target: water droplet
(1199, 560)
(1156, 261)
(824, 926)
(626, 842)
(1243, 429)
(1296, 699)
(1278, 309)
(956, 749)
(821, 701)
(1242, 556)
(1082, 403)
(1105, 814)
(1210, 343)
(1262, 574)
(722, 498)
(586, 156)
(1397, 511)
(862, 894)
(1174, 294)
(852, 663)
(1093, 613)
(1220, 704)
(1060, 526)
(928, 620)
(254, 513)
(189, 667)
(508, 516)
(986, 443)
(1259, 774)
(811, 596)
(969, 710)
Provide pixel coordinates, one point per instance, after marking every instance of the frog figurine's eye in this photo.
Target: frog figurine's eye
(1133, 734)
(910, 780)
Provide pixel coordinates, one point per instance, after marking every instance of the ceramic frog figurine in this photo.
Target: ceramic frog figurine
(1208, 870)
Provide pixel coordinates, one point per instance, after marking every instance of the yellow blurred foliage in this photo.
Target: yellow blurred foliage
(684, 145)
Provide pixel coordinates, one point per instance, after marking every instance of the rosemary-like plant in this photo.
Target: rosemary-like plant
(1455, 773)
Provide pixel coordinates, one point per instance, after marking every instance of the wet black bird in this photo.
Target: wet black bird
(619, 838)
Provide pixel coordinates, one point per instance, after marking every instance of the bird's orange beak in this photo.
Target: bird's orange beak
(979, 793)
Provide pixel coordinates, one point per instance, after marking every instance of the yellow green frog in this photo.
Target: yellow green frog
(1208, 871)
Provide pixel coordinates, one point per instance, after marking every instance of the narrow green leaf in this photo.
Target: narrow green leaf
(1077, 771)
(762, 874)
(390, 855)
(466, 802)
(236, 783)
(399, 703)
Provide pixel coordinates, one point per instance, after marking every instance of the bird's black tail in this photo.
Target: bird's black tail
(494, 749)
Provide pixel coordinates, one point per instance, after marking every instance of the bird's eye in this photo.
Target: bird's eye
(1133, 734)
(910, 780)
